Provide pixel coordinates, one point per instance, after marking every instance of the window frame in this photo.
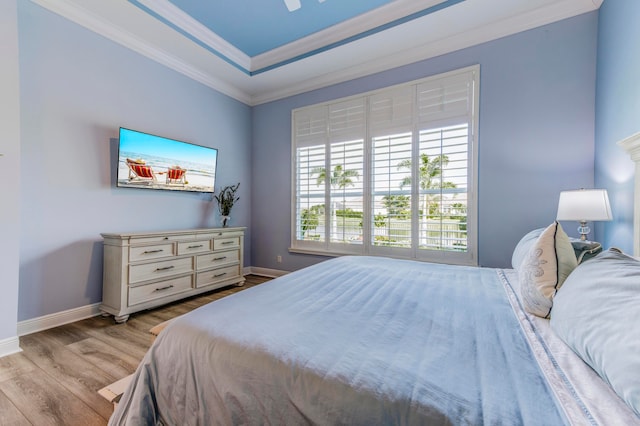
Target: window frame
(329, 248)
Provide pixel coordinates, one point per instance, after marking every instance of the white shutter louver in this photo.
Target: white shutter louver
(440, 100)
(391, 111)
(346, 120)
(310, 126)
(391, 172)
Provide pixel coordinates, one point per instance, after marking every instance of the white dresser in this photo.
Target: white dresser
(144, 270)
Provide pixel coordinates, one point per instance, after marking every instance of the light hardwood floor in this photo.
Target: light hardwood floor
(56, 378)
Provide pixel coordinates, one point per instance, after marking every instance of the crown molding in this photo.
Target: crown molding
(338, 33)
(72, 11)
(452, 42)
(316, 42)
(421, 38)
(198, 32)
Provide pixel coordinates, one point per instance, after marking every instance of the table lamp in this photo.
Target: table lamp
(584, 205)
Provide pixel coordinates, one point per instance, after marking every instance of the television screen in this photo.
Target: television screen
(153, 162)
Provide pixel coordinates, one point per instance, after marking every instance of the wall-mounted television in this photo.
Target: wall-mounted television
(153, 162)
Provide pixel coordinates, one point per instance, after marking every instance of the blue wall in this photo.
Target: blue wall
(10, 184)
(617, 113)
(537, 100)
(76, 89)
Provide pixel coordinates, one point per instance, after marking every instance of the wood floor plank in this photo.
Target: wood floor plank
(75, 374)
(15, 365)
(93, 323)
(9, 413)
(66, 335)
(114, 362)
(148, 319)
(55, 380)
(42, 402)
(125, 338)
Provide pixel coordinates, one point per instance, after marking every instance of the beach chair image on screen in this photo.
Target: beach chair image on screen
(140, 172)
(177, 175)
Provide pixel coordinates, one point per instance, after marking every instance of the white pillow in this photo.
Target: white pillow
(542, 272)
(596, 314)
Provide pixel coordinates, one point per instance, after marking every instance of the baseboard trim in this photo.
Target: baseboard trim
(59, 318)
(65, 317)
(266, 272)
(9, 346)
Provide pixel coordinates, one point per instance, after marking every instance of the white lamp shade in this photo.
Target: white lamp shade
(584, 205)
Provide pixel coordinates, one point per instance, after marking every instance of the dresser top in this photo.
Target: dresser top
(123, 235)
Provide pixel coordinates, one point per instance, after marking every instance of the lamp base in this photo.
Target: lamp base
(584, 230)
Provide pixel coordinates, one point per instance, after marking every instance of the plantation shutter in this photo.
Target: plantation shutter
(310, 126)
(391, 172)
(446, 100)
(445, 117)
(391, 111)
(346, 167)
(310, 133)
(346, 120)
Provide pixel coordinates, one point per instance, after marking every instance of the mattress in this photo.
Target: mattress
(361, 341)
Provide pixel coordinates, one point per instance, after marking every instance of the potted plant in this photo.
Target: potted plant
(226, 199)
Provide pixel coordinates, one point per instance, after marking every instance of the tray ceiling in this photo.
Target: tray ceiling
(257, 51)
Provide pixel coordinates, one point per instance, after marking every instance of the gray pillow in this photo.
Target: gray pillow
(524, 246)
(597, 314)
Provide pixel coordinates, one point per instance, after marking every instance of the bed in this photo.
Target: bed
(364, 340)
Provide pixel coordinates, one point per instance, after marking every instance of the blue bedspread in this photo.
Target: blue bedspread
(354, 341)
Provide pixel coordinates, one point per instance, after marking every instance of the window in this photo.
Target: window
(391, 172)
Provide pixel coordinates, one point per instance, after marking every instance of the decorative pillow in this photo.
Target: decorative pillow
(524, 246)
(597, 314)
(548, 263)
(585, 250)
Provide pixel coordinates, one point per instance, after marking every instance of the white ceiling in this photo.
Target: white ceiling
(392, 34)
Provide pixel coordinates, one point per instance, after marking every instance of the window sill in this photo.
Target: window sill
(442, 259)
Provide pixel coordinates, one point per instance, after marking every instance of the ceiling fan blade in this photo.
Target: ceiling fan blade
(292, 5)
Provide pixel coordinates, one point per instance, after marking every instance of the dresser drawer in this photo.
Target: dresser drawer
(194, 247)
(217, 275)
(158, 290)
(226, 243)
(161, 238)
(151, 252)
(206, 236)
(155, 270)
(212, 260)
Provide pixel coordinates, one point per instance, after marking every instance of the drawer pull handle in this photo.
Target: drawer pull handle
(219, 275)
(166, 238)
(198, 246)
(164, 288)
(152, 251)
(165, 268)
(228, 242)
(220, 258)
